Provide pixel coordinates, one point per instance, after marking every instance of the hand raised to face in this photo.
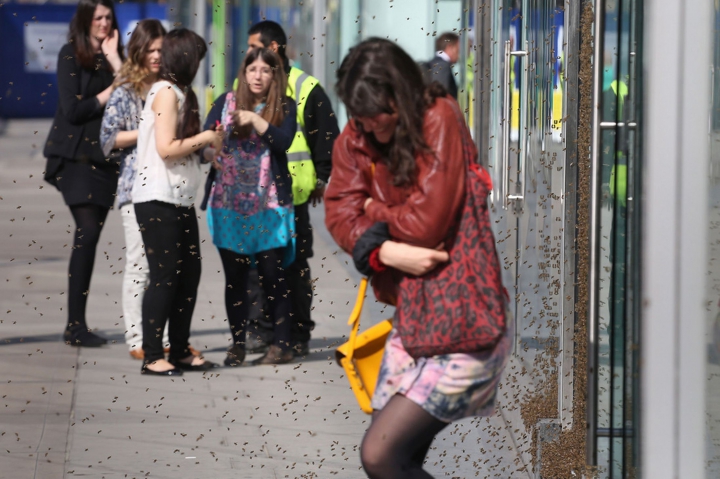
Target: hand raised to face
(110, 43)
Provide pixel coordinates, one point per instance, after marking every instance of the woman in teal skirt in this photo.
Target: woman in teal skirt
(250, 208)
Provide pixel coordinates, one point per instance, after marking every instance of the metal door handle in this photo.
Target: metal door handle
(505, 183)
(523, 126)
(506, 128)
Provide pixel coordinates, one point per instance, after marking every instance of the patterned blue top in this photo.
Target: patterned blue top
(122, 113)
(245, 213)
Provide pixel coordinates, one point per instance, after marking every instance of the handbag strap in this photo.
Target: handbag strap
(354, 320)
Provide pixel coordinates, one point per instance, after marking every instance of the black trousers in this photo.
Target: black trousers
(172, 246)
(300, 284)
(274, 293)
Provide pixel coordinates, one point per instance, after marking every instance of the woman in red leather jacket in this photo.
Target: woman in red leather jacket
(397, 188)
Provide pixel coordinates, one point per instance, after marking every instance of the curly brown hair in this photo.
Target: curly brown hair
(133, 70)
(273, 112)
(375, 76)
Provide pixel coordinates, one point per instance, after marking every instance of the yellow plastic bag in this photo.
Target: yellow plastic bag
(362, 354)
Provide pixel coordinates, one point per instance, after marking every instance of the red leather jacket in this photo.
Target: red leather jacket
(421, 214)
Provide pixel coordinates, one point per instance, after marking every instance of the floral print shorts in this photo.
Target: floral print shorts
(449, 387)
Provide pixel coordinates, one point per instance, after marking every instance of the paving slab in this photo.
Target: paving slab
(68, 412)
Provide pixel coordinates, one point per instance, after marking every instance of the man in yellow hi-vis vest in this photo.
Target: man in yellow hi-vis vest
(309, 162)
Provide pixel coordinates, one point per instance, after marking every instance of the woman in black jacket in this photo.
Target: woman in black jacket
(76, 164)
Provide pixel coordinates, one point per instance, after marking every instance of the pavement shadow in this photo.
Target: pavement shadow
(113, 337)
(42, 338)
(320, 350)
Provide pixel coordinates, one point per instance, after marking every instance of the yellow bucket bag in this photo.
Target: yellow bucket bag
(362, 354)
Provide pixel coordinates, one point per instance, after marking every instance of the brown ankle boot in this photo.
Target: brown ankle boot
(235, 356)
(275, 355)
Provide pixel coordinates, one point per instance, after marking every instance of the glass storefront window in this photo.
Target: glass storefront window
(296, 19)
(413, 25)
(713, 272)
(617, 333)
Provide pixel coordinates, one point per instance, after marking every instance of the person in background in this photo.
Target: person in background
(393, 204)
(118, 137)
(309, 161)
(250, 212)
(76, 164)
(163, 194)
(439, 69)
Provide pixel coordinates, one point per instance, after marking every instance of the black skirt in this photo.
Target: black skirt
(85, 182)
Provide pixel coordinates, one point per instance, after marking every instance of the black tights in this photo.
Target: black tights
(398, 439)
(274, 285)
(89, 220)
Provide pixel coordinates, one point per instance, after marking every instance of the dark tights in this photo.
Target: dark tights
(273, 284)
(89, 220)
(398, 439)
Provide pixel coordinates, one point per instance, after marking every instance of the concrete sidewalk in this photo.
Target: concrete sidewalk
(68, 412)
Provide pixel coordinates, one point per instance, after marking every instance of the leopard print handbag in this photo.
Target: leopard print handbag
(460, 307)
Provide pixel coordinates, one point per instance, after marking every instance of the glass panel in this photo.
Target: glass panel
(343, 32)
(713, 284)
(410, 24)
(540, 211)
(297, 21)
(503, 124)
(619, 221)
(527, 160)
(350, 21)
(465, 67)
(333, 48)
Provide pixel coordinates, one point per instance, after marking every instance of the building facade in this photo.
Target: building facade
(598, 121)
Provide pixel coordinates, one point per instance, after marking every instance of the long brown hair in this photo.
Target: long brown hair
(182, 52)
(375, 75)
(133, 70)
(274, 111)
(79, 34)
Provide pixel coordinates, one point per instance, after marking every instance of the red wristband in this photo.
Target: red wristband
(375, 262)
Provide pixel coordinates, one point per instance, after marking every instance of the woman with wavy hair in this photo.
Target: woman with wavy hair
(118, 138)
(394, 202)
(76, 164)
(163, 194)
(251, 214)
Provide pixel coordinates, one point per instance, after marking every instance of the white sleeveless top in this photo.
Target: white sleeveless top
(170, 181)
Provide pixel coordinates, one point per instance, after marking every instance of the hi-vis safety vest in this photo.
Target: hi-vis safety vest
(300, 163)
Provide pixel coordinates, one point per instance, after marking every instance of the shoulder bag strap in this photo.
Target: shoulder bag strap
(354, 320)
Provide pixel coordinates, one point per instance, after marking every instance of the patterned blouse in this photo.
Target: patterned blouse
(245, 214)
(122, 113)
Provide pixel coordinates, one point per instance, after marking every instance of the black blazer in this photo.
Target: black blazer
(75, 132)
(441, 71)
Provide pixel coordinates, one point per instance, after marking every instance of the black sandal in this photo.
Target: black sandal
(170, 372)
(205, 366)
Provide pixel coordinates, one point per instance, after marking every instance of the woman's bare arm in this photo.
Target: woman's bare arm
(165, 107)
